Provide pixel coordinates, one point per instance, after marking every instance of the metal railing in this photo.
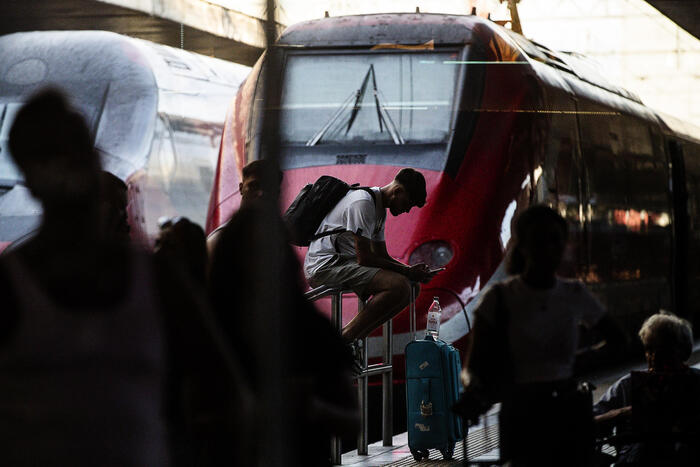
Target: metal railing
(385, 369)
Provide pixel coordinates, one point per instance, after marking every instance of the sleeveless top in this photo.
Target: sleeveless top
(83, 388)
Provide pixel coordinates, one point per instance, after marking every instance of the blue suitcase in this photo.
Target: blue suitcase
(432, 388)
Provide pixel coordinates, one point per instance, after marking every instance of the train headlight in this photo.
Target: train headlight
(435, 254)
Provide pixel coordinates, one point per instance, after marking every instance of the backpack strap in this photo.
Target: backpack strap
(368, 190)
(325, 234)
(374, 199)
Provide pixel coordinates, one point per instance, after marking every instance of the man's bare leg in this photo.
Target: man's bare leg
(390, 292)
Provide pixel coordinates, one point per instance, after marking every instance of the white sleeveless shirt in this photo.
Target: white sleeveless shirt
(542, 325)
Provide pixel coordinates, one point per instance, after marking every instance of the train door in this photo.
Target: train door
(180, 170)
(679, 199)
(690, 156)
(560, 184)
(627, 209)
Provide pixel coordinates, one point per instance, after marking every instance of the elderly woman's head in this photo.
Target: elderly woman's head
(667, 341)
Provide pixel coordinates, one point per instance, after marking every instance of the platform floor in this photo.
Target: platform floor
(482, 440)
(482, 445)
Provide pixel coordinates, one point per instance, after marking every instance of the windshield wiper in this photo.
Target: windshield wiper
(383, 117)
(359, 94)
(358, 98)
(317, 137)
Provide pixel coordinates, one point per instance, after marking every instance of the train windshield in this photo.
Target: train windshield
(383, 98)
(9, 173)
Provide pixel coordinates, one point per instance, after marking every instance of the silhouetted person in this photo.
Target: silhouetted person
(317, 385)
(658, 409)
(536, 315)
(260, 182)
(96, 337)
(113, 202)
(183, 243)
(358, 259)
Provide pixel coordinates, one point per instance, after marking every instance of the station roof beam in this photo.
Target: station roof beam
(207, 27)
(685, 13)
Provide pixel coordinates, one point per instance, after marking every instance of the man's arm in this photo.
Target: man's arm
(379, 249)
(374, 254)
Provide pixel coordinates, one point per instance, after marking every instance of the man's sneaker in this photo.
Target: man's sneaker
(357, 350)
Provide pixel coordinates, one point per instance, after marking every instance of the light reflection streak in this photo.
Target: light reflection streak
(539, 111)
(423, 105)
(526, 182)
(637, 221)
(505, 224)
(538, 174)
(478, 62)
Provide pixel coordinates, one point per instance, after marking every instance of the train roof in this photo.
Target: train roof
(441, 29)
(680, 128)
(119, 84)
(384, 28)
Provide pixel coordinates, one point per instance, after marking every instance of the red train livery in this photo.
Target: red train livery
(495, 122)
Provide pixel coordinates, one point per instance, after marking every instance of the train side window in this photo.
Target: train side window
(606, 203)
(691, 158)
(560, 186)
(628, 209)
(180, 169)
(561, 169)
(647, 217)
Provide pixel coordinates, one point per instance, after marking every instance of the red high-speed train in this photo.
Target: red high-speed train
(496, 123)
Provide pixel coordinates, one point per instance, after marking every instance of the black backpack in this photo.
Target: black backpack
(311, 206)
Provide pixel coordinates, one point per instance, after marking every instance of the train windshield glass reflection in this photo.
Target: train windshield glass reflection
(9, 173)
(381, 98)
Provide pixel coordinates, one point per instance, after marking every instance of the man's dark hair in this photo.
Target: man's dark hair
(265, 169)
(524, 223)
(414, 184)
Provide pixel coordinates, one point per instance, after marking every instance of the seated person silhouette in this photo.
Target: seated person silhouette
(656, 412)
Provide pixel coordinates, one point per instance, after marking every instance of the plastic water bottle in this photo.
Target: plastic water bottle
(432, 327)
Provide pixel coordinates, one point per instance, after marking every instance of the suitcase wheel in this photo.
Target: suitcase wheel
(448, 452)
(419, 455)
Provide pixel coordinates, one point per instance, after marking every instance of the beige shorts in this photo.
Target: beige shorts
(346, 274)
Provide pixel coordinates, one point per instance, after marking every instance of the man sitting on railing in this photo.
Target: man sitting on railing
(657, 412)
(358, 259)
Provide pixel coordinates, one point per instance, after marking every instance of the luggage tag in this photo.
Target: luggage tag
(426, 410)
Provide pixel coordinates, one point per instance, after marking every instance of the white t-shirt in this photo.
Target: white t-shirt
(543, 325)
(356, 213)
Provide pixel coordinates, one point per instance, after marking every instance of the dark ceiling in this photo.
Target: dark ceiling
(38, 15)
(685, 13)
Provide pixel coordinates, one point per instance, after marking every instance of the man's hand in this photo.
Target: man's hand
(420, 273)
